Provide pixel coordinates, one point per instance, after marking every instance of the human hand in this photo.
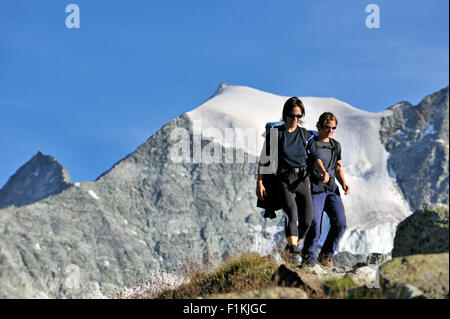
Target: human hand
(325, 177)
(346, 189)
(260, 191)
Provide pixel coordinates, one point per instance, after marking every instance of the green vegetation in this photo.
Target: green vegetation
(247, 272)
(366, 293)
(249, 276)
(345, 288)
(338, 288)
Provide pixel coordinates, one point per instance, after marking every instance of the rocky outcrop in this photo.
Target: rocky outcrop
(287, 276)
(420, 264)
(426, 231)
(41, 177)
(378, 259)
(425, 274)
(143, 215)
(411, 277)
(346, 259)
(416, 138)
(314, 280)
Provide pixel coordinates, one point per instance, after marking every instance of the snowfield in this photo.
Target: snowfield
(374, 206)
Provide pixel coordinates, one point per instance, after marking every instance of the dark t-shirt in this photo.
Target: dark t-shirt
(293, 150)
(325, 154)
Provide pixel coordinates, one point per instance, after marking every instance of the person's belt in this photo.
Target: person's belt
(295, 170)
(294, 173)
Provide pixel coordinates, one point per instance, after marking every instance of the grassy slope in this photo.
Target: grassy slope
(251, 272)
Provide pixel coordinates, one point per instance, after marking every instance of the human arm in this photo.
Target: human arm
(318, 165)
(260, 189)
(317, 162)
(340, 177)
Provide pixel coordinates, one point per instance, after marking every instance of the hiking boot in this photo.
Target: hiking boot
(308, 260)
(290, 254)
(326, 261)
(270, 213)
(293, 249)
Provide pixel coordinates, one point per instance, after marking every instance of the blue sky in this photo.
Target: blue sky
(92, 95)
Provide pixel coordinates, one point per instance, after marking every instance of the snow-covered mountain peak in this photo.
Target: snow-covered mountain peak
(374, 199)
(248, 108)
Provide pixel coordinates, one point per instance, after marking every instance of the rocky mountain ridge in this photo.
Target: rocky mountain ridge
(138, 217)
(144, 214)
(416, 138)
(41, 177)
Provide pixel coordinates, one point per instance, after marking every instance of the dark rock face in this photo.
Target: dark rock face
(426, 231)
(416, 138)
(39, 178)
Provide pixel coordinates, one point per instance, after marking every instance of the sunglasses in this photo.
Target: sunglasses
(329, 128)
(299, 116)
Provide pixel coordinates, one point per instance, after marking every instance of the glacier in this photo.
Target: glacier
(374, 206)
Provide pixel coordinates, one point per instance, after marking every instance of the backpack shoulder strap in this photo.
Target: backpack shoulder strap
(315, 140)
(334, 149)
(335, 145)
(333, 142)
(307, 137)
(303, 133)
(280, 129)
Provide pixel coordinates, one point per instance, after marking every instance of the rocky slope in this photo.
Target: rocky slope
(416, 138)
(419, 269)
(143, 215)
(411, 277)
(41, 177)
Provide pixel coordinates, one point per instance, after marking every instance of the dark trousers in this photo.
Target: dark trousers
(331, 203)
(297, 204)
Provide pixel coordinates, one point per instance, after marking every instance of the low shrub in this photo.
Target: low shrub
(246, 272)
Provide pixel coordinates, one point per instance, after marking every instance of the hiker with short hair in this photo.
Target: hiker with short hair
(326, 196)
(291, 178)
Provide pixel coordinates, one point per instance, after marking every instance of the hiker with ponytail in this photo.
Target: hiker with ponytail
(291, 177)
